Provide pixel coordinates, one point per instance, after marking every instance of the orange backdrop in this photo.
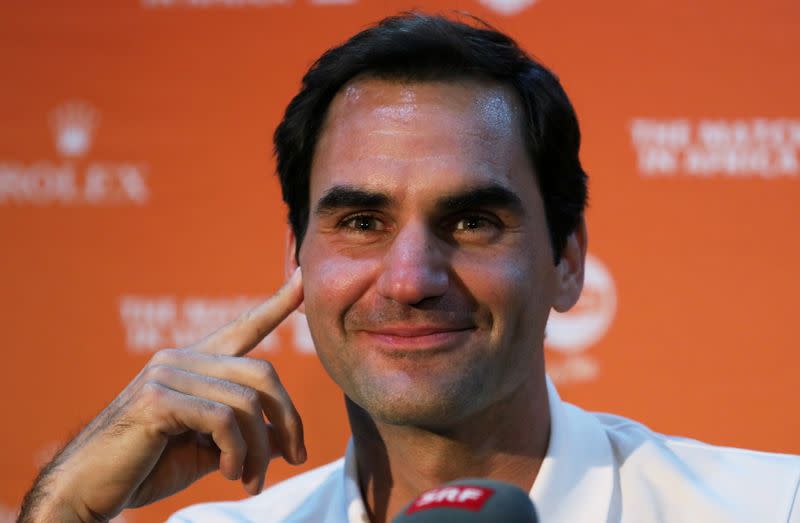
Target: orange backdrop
(138, 209)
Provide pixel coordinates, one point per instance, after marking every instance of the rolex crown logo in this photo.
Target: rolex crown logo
(73, 123)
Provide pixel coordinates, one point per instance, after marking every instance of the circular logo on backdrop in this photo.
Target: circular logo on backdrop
(590, 318)
(508, 7)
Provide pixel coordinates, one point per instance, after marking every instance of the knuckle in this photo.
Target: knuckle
(225, 416)
(158, 373)
(164, 357)
(152, 393)
(266, 371)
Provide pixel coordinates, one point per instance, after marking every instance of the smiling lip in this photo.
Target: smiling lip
(418, 337)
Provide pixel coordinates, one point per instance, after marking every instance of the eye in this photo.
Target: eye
(473, 222)
(362, 223)
(476, 228)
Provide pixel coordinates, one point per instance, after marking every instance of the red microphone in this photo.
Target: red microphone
(470, 501)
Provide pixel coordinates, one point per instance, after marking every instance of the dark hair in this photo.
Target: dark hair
(418, 47)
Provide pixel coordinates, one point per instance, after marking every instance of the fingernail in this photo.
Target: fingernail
(260, 486)
(301, 455)
(253, 486)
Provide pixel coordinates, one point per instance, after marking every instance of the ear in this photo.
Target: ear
(569, 271)
(290, 260)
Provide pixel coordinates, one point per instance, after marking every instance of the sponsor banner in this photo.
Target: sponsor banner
(152, 323)
(721, 148)
(73, 180)
(139, 211)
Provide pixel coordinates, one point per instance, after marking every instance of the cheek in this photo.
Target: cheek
(333, 283)
(511, 288)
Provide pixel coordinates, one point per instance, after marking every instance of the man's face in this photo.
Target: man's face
(427, 266)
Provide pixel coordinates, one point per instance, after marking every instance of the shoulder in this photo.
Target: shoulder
(275, 504)
(700, 476)
(633, 442)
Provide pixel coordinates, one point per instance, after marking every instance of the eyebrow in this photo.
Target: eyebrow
(346, 197)
(492, 196)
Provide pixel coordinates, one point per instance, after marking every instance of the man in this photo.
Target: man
(436, 203)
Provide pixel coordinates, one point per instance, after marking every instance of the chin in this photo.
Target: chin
(429, 407)
(410, 415)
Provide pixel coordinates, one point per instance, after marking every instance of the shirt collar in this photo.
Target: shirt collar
(575, 482)
(356, 510)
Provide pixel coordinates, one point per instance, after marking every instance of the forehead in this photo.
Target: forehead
(488, 103)
(391, 135)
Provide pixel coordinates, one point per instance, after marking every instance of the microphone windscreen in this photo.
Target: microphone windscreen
(470, 501)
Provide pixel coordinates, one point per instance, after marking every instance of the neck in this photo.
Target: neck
(506, 441)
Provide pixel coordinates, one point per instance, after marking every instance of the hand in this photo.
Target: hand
(188, 412)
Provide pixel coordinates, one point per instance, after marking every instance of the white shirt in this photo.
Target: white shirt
(598, 468)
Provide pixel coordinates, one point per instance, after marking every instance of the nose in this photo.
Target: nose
(415, 267)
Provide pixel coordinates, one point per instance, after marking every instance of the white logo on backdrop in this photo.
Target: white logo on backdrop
(72, 180)
(508, 7)
(573, 332)
(731, 148)
(204, 4)
(153, 323)
(73, 124)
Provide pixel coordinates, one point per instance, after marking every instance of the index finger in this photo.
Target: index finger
(245, 332)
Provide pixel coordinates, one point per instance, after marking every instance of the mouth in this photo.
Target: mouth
(417, 338)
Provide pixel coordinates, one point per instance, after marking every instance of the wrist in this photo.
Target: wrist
(57, 503)
(46, 508)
